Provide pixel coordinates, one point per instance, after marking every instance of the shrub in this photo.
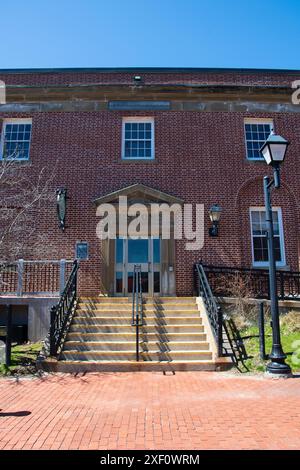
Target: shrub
(291, 322)
(243, 311)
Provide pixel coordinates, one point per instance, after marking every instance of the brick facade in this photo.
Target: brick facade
(200, 157)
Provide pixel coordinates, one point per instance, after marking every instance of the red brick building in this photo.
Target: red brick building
(165, 135)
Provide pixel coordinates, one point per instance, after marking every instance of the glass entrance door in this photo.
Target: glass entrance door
(146, 253)
(138, 253)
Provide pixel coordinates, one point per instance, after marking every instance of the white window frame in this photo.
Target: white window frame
(256, 121)
(14, 121)
(138, 119)
(263, 264)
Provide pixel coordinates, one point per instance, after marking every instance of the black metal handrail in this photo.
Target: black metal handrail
(237, 348)
(137, 305)
(214, 311)
(61, 314)
(227, 281)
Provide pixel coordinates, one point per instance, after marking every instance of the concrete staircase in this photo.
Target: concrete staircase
(173, 337)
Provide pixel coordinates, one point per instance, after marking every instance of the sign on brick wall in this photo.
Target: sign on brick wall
(139, 105)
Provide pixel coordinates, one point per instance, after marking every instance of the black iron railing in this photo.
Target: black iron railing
(243, 282)
(61, 314)
(213, 309)
(137, 305)
(237, 349)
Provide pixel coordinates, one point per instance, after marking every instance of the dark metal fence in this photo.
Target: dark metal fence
(236, 282)
(213, 309)
(137, 305)
(61, 314)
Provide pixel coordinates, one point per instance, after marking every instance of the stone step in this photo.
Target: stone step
(146, 312)
(130, 337)
(131, 355)
(131, 346)
(111, 328)
(167, 367)
(126, 308)
(129, 299)
(147, 320)
(101, 337)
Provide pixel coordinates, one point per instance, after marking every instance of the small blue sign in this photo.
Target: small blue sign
(82, 250)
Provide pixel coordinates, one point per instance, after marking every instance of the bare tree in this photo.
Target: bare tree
(241, 287)
(25, 197)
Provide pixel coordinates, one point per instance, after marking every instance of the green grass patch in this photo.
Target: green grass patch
(23, 359)
(289, 338)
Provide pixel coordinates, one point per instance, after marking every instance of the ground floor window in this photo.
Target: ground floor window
(259, 238)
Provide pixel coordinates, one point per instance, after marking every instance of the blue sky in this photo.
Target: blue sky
(145, 33)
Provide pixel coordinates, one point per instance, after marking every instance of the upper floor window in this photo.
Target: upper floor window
(138, 138)
(15, 142)
(259, 239)
(256, 133)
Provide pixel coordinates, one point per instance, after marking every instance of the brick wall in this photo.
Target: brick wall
(200, 157)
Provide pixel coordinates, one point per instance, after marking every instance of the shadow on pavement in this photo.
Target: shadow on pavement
(15, 413)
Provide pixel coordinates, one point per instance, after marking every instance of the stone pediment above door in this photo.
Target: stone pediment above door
(139, 193)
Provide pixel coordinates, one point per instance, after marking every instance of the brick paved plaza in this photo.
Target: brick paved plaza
(189, 410)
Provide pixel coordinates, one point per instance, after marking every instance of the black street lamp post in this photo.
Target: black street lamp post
(274, 150)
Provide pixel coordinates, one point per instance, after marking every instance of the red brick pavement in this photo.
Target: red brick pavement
(190, 410)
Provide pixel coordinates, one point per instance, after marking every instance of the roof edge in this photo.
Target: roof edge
(148, 70)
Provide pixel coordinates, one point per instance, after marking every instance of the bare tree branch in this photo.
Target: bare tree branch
(24, 200)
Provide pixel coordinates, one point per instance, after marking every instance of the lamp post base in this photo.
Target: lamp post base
(279, 368)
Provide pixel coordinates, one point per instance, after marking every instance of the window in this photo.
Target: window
(138, 138)
(259, 239)
(82, 250)
(256, 133)
(16, 137)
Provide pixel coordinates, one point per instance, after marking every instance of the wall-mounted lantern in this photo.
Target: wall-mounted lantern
(214, 215)
(61, 202)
